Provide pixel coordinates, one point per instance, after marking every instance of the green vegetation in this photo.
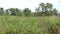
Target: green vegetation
(42, 10)
(29, 25)
(45, 20)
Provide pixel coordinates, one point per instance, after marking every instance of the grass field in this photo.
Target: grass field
(28, 25)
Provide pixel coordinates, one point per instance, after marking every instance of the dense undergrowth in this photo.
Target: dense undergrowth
(29, 25)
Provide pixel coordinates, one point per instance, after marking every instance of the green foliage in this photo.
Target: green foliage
(7, 12)
(42, 10)
(27, 12)
(46, 10)
(1, 11)
(54, 11)
(29, 25)
(13, 12)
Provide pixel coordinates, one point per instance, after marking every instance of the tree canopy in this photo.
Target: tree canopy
(44, 9)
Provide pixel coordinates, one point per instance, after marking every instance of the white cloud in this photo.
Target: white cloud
(32, 4)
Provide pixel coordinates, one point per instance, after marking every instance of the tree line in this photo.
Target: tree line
(44, 9)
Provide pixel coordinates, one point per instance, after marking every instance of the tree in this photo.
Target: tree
(27, 12)
(49, 6)
(54, 11)
(42, 7)
(46, 9)
(7, 12)
(15, 11)
(38, 12)
(1, 11)
(18, 12)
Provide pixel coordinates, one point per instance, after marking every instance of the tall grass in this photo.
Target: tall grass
(29, 25)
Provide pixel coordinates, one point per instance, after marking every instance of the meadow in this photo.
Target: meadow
(29, 25)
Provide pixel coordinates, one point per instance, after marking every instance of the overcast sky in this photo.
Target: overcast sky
(31, 4)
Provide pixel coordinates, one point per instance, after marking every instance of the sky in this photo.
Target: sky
(31, 4)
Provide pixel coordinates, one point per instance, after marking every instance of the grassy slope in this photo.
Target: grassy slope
(26, 25)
